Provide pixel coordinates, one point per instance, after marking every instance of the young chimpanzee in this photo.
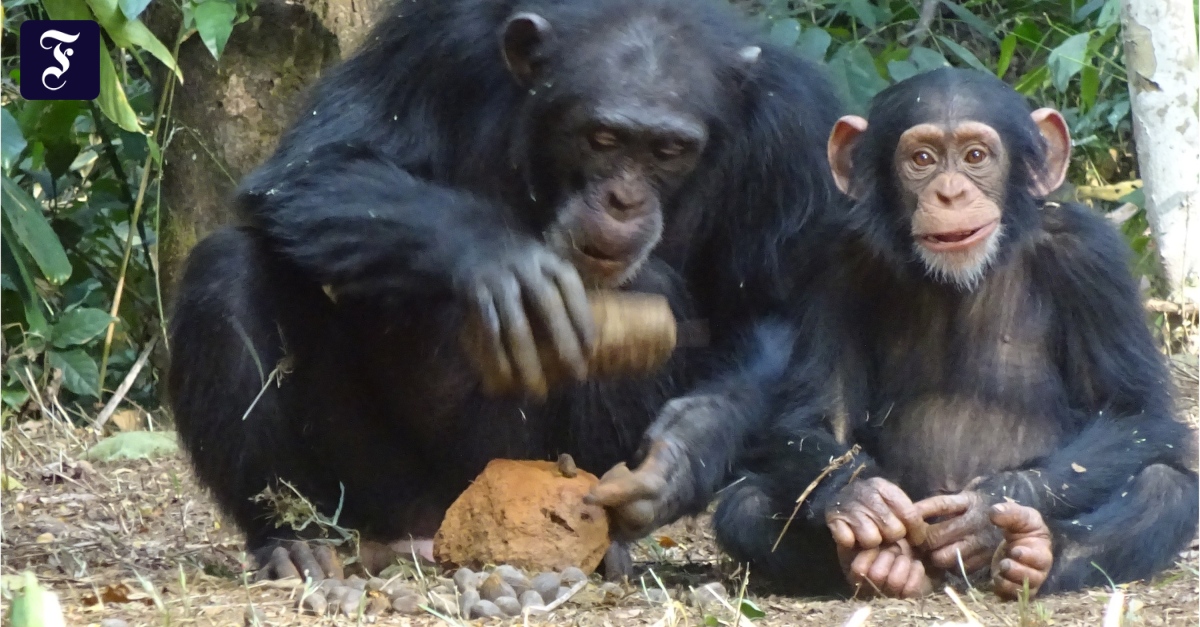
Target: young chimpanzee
(992, 362)
(495, 160)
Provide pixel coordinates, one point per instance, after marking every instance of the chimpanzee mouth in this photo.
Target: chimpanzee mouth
(597, 254)
(954, 241)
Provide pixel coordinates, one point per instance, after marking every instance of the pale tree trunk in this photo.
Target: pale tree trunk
(1164, 90)
(227, 115)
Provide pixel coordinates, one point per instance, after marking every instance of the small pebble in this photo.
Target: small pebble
(376, 604)
(513, 577)
(443, 603)
(407, 604)
(656, 595)
(709, 596)
(467, 600)
(464, 578)
(572, 576)
(314, 603)
(376, 583)
(612, 589)
(351, 600)
(478, 579)
(494, 587)
(509, 605)
(530, 598)
(356, 582)
(113, 622)
(547, 585)
(486, 609)
(397, 589)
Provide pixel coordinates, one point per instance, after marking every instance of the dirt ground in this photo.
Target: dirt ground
(139, 541)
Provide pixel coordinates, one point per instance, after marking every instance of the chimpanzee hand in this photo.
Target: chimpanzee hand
(967, 531)
(873, 512)
(642, 500)
(1027, 552)
(498, 291)
(890, 570)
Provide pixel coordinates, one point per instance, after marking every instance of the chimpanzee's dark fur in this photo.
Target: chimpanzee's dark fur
(416, 162)
(1044, 379)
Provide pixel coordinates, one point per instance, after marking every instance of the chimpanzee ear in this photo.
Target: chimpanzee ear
(1058, 151)
(841, 146)
(523, 34)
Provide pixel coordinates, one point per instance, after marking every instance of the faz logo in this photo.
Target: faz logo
(60, 60)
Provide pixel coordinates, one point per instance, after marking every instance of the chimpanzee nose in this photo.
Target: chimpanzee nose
(951, 189)
(625, 201)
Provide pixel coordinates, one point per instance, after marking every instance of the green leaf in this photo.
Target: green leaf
(67, 9)
(12, 142)
(30, 301)
(1067, 59)
(1007, 47)
(35, 606)
(901, 70)
(1120, 110)
(863, 11)
(1109, 14)
(24, 215)
(78, 326)
(1032, 80)
(112, 98)
(964, 55)
(750, 610)
(927, 59)
(134, 445)
(972, 20)
(1089, 86)
(1086, 10)
(862, 78)
(131, 33)
(81, 375)
(214, 21)
(813, 43)
(785, 32)
(1028, 32)
(133, 8)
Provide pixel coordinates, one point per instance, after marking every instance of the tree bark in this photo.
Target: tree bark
(227, 115)
(1164, 92)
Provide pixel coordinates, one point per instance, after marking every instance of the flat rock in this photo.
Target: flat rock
(509, 605)
(525, 514)
(546, 585)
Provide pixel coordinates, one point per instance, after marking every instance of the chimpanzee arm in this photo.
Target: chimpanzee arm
(1115, 378)
(355, 219)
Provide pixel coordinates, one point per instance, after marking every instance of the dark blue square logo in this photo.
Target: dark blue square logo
(60, 59)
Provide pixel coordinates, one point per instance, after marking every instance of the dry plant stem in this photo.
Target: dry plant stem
(1114, 609)
(111, 406)
(550, 607)
(972, 618)
(133, 219)
(836, 463)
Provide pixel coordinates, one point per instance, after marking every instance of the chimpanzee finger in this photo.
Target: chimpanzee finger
(881, 568)
(1011, 577)
(304, 560)
(634, 519)
(574, 297)
(898, 576)
(500, 375)
(918, 584)
(519, 337)
(843, 535)
(554, 314)
(1018, 520)
(912, 524)
(860, 566)
(624, 488)
(280, 566)
(329, 561)
(1033, 557)
(866, 530)
(943, 505)
(974, 556)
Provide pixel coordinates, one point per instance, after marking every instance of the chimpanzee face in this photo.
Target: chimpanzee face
(623, 125)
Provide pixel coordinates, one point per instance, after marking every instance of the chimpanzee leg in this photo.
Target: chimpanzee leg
(748, 521)
(229, 387)
(1139, 532)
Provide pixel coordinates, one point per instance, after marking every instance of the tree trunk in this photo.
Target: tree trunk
(1164, 92)
(227, 115)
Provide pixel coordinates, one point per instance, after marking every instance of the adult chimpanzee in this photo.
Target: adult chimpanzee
(495, 159)
(993, 364)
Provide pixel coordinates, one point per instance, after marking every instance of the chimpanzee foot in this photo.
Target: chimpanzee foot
(640, 501)
(297, 559)
(618, 563)
(1026, 554)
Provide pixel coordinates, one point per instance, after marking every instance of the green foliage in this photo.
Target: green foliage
(133, 445)
(76, 203)
(1061, 54)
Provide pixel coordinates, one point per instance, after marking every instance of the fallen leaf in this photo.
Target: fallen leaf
(9, 484)
(1077, 467)
(45, 538)
(134, 445)
(666, 542)
(116, 593)
(128, 420)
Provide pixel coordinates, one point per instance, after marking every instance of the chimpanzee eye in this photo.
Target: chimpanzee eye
(922, 159)
(603, 139)
(669, 150)
(975, 156)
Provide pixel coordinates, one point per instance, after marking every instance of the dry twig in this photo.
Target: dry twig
(836, 463)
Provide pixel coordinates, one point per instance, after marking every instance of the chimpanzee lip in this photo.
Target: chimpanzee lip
(596, 262)
(955, 241)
